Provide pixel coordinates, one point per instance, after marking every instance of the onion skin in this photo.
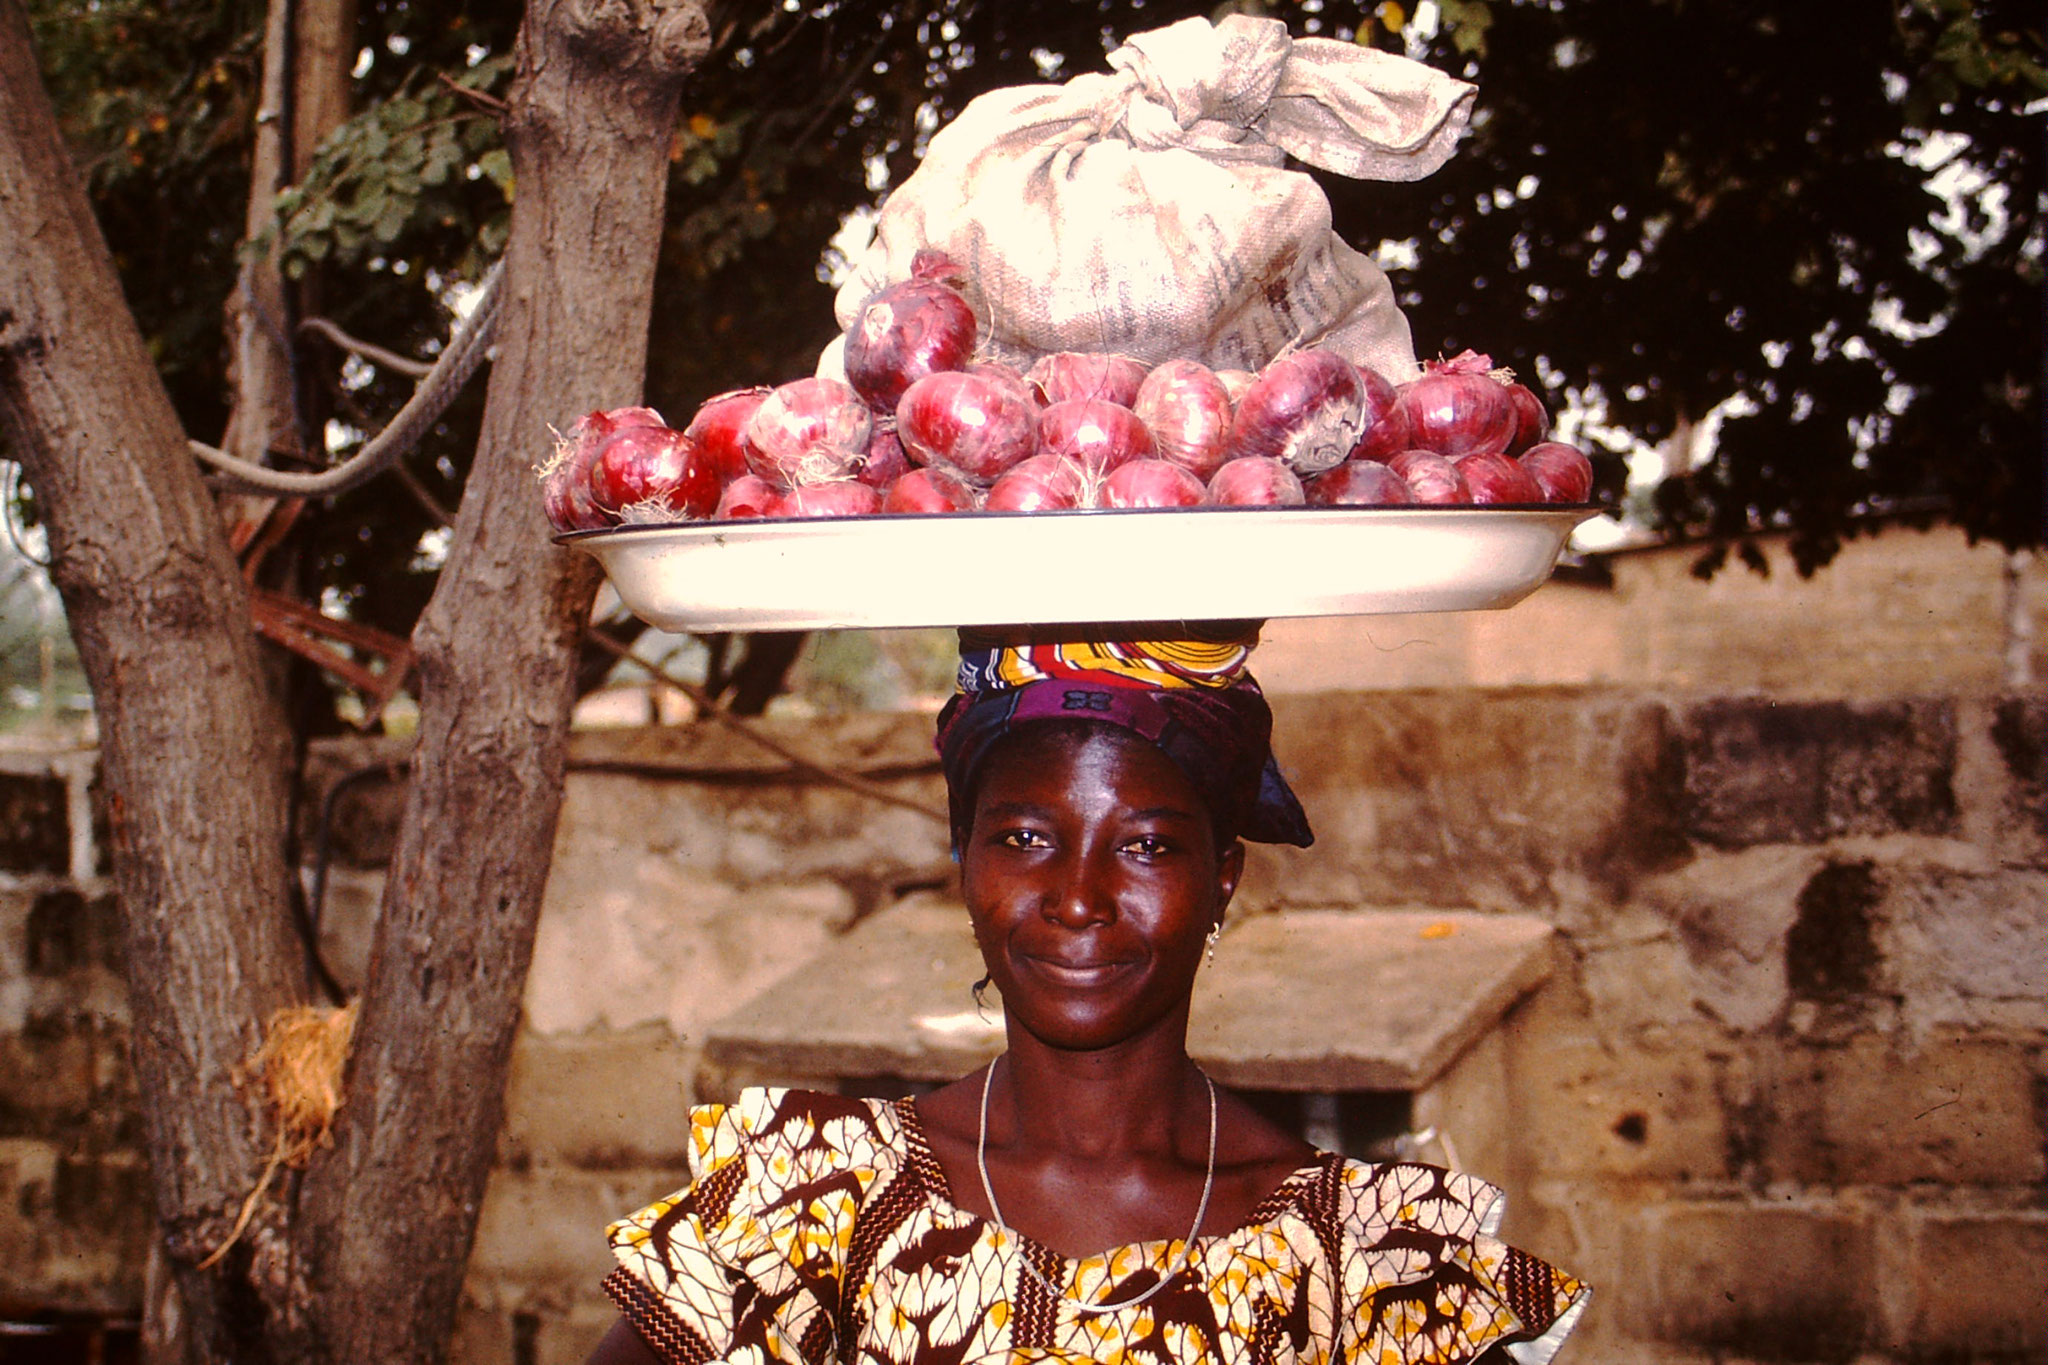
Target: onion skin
(1306, 410)
(646, 474)
(1099, 436)
(1042, 483)
(1064, 376)
(1255, 481)
(1387, 431)
(840, 498)
(930, 491)
(1532, 419)
(808, 431)
(1433, 479)
(749, 495)
(1235, 382)
(886, 460)
(565, 477)
(720, 429)
(1188, 411)
(1455, 409)
(1360, 483)
(907, 331)
(1497, 481)
(1151, 483)
(1562, 472)
(931, 264)
(972, 425)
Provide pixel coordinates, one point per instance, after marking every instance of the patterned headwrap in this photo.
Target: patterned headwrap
(1190, 696)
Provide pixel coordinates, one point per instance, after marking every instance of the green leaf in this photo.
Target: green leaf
(392, 221)
(497, 164)
(1467, 21)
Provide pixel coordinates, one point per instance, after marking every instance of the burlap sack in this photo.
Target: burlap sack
(1148, 210)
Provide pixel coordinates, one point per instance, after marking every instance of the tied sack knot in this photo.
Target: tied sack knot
(1200, 87)
(1243, 90)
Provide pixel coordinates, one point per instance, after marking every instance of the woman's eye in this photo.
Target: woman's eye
(1149, 846)
(1021, 838)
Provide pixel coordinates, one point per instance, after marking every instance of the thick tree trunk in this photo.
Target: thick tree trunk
(364, 1260)
(190, 742)
(593, 111)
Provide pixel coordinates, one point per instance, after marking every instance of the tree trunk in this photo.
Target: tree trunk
(363, 1260)
(306, 58)
(393, 1211)
(189, 740)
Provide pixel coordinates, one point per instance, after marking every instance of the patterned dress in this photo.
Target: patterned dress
(821, 1230)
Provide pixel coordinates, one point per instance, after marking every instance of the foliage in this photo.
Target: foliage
(425, 168)
(158, 99)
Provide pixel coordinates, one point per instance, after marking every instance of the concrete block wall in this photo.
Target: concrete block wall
(1790, 1102)
(1786, 1099)
(74, 1198)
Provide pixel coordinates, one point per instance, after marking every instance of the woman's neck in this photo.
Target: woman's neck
(1122, 1100)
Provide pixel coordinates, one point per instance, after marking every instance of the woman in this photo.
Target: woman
(1090, 1193)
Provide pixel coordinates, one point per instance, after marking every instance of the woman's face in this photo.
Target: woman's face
(1093, 877)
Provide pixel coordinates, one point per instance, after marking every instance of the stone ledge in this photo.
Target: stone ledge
(1327, 1000)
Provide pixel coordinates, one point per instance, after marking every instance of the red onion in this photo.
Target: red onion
(1496, 480)
(749, 495)
(1150, 483)
(1187, 410)
(973, 425)
(1007, 371)
(907, 331)
(839, 498)
(1042, 483)
(930, 490)
(1386, 430)
(565, 476)
(720, 429)
(1097, 435)
(1360, 483)
(1306, 409)
(1532, 421)
(1431, 477)
(653, 474)
(1255, 481)
(1067, 375)
(808, 431)
(1235, 382)
(1562, 472)
(1457, 409)
(886, 460)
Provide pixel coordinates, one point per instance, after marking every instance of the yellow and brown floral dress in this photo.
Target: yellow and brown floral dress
(821, 1230)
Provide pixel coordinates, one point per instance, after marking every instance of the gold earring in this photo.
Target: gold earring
(1215, 932)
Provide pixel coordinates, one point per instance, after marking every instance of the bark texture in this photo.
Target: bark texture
(362, 1257)
(307, 51)
(593, 111)
(190, 742)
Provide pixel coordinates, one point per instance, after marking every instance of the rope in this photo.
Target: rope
(464, 353)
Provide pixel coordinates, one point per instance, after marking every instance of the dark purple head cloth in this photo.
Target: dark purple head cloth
(1220, 737)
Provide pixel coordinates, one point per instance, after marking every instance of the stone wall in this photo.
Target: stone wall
(1899, 611)
(1785, 1100)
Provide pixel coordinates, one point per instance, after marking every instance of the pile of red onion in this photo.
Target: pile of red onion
(921, 427)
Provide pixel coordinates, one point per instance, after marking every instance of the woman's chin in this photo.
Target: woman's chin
(1091, 1020)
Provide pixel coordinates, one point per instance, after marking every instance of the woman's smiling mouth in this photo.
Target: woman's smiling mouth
(1076, 972)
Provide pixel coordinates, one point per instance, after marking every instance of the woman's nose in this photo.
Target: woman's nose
(1080, 893)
